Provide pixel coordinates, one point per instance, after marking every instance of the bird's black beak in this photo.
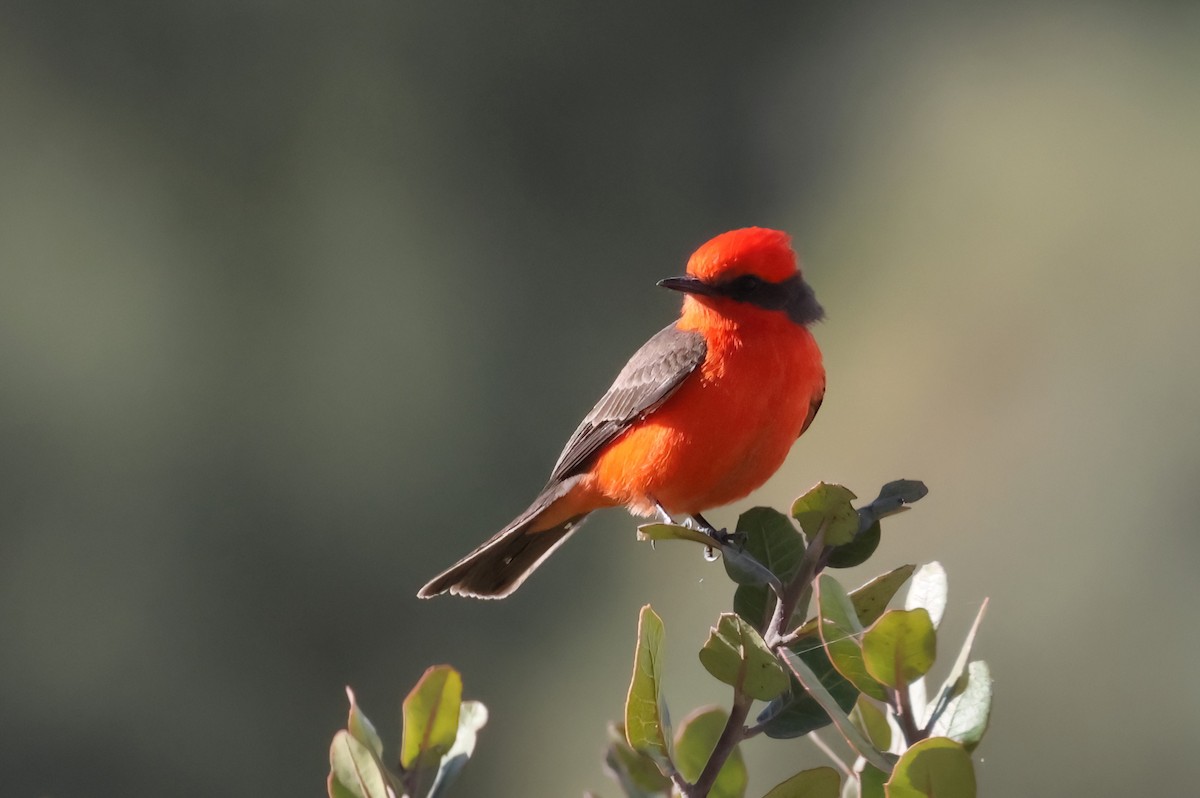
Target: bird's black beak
(689, 285)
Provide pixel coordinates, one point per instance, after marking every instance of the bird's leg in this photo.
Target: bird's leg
(689, 521)
(722, 536)
(693, 521)
(704, 526)
(664, 516)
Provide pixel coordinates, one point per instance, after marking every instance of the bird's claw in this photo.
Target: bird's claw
(726, 538)
(723, 538)
(698, 523)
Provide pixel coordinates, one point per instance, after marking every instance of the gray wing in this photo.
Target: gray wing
(650, 376)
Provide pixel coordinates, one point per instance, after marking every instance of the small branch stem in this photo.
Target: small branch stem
(731, 735)
(754, 731)
(798, 589)
(904, 714)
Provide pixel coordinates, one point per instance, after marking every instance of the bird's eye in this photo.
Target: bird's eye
(746, 284)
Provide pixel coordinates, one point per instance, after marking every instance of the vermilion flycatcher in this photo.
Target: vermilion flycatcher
(701, 415)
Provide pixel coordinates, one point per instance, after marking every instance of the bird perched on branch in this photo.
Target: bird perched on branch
(703, 414)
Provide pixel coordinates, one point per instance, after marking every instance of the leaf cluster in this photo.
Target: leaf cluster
(809, 654)
(798, 653)
(439, 731)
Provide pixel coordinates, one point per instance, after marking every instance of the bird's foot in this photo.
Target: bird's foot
(687, 521)
(722, 536)
(698, 523)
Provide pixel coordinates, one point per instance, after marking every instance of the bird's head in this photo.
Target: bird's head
(751, 268)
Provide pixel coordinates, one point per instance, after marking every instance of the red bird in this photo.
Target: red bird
(703, 414)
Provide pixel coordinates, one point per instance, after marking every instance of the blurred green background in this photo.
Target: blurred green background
(299, 302)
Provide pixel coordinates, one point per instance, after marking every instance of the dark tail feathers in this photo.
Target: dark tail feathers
(499, 566)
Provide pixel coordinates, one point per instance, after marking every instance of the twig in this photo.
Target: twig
(904, 714)
(797, 589)
(733, 733)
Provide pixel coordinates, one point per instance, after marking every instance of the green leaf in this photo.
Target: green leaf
(834, 707)
(933, 768)
(335, 789)
(900, 647)
(871, 781)
(740, 566)
(893, 498)
(745, 570)
(430, 718)
(956, 681)
(798, 712)
(431, 712)
(871, 599)
(822, 782)
(647, 725)
(840, 631)
(354, 770)
(827, 507)
(736, 654)
(770, 538)
(656, 532)
(835, 607)
(857, 551)
(965, 718)
(694, 744)
(472, 716)
(361, 728)
(754, 604)
(638, 774)
(872, 722)
(902, 491)
(928, 590)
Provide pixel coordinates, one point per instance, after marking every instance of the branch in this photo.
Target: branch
(733, 733)
(904, 715)
(798, 589)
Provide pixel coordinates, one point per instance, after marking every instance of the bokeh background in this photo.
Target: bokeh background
(299, 301)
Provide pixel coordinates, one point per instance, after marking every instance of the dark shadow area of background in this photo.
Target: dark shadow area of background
(297, 305)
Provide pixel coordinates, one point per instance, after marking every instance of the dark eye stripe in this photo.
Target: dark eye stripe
(793, 296)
